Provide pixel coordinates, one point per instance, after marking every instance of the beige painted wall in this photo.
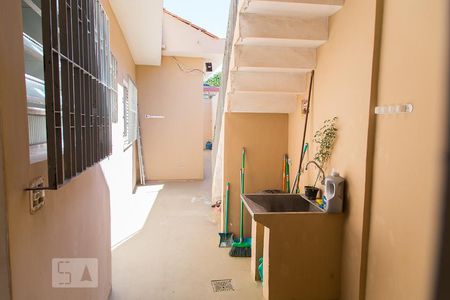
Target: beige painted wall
(408, 161)
(75, 222)
(72, 217)
(342, 89)
(120, 168)
(172, 146)
(401, 251)
(265, 138)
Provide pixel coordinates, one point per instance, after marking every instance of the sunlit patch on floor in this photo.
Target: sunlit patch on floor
(200, 199)
(222, 285)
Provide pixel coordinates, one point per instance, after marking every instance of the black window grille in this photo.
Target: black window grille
(78, 86)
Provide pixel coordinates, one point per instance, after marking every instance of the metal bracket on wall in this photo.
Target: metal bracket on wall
(37, 195)
(43, 188)
(304, 106)
(147, 116)
(394, 109)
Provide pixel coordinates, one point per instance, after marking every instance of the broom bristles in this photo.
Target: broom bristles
(241, 251)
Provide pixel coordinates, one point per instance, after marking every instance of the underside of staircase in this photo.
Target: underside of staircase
(273, 51)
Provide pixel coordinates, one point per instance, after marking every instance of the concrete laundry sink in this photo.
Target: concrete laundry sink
(300, 245)
(278, 203)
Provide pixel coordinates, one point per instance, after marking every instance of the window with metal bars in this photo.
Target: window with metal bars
(78, 86)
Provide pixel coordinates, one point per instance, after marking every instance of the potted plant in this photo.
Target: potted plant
(325, 138)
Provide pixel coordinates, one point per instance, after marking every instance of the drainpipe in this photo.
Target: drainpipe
(370, 147)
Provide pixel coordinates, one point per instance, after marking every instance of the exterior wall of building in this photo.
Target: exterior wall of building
(120, 169)
(342, 88)
(401, 251)
(172, 145)
(75, 221)
(409, 157)
(265, 138)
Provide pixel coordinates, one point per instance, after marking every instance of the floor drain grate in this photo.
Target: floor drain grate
(222, 285)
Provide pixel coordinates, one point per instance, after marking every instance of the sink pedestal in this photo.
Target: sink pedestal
(302, 257)
(301, 247)
(257, 248)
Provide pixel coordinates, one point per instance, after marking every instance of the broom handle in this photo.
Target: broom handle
(227, 200)
(304, 130)
(283, 182)
(295, 186)
(241, 217)
(241, 227)
(288, 180)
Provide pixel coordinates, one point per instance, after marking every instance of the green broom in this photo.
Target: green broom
(242, 246)
(286, 169)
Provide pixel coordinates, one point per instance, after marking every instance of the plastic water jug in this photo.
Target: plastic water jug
(334, 192)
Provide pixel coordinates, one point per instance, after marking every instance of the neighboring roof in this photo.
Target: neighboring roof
(191, 24)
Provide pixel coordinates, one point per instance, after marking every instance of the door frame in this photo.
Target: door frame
(442, 287)
(5, 270)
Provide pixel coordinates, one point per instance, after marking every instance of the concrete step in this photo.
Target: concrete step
(253, 102)
(274, 59)
(294, 8)
(282, 31)
(268, 82)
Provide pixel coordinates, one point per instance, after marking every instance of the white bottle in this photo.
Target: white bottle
(334, 192)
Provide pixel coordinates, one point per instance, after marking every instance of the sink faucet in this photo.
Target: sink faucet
(322, 182)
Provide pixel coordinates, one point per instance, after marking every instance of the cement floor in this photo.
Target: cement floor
(175, 254)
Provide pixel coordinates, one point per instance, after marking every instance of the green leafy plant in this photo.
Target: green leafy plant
(214, 80)
(325, 138)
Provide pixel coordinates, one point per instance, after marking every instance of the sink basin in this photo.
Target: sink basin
(278, 203)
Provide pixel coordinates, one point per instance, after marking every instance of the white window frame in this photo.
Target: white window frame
(130, 114)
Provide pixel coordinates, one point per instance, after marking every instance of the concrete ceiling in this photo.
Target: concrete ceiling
(273, 52)
(141, 23)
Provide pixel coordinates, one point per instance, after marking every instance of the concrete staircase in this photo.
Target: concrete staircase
(274, 47)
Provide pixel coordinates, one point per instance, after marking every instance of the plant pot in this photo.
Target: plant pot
(311, 192)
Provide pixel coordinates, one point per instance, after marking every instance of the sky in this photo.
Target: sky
(209, 14)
